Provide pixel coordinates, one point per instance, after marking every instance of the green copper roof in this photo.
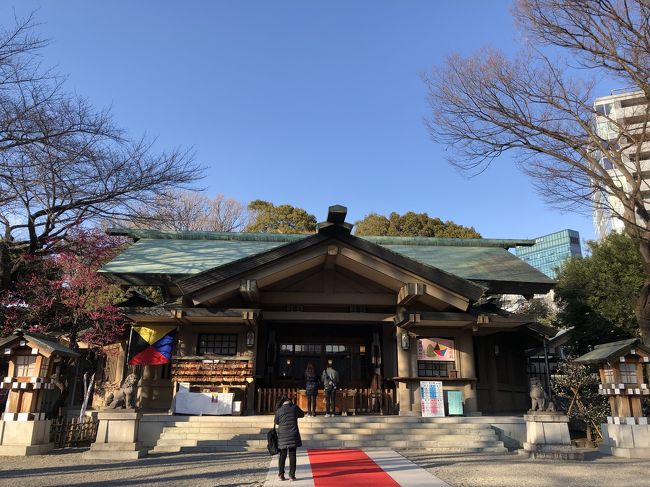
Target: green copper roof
(48, 343)
(473, 263)
(137, 234)
(183, 257)
(610, 351)
(450, 242)
(183, 254)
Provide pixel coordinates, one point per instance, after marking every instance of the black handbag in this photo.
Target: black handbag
(272, 441)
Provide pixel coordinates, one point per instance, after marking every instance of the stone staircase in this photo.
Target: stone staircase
(438, 435)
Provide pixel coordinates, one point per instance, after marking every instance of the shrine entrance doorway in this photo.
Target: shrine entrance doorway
(355, 352)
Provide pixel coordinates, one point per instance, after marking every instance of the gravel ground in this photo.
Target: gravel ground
(512, 470)
(66, 467)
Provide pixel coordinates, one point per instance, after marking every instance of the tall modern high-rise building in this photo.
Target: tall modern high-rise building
(551, 250)
(621, 117)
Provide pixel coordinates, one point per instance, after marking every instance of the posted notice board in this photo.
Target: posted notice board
(436, 349)
(432, 400)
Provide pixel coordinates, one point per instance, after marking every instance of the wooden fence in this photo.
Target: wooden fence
(267, 397)
(67, 432)
(356, 401)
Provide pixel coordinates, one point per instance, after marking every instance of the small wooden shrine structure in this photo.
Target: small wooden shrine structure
(24, 429)
(620, 366)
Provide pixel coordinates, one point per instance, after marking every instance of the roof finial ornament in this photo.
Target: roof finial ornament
(336, 214)
(335, 220)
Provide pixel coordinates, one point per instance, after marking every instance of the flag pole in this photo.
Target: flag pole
(126, 357)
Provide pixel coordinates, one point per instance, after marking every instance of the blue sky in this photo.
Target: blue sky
(307, 103)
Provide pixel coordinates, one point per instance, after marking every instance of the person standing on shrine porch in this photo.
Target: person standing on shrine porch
(311, 389)
(330, 378)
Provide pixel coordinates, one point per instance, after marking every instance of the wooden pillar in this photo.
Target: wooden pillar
(467, 370)
(637, 410)
(404, 395)
(613, 406)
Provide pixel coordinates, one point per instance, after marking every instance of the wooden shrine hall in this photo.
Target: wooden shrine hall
(252, 310)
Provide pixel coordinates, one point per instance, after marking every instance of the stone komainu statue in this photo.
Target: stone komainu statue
(124, 397)
(538, 397)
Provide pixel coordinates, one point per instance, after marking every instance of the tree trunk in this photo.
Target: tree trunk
(643, 312)
(5, 267)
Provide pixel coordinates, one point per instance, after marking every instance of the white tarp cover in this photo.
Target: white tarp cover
(199, 403)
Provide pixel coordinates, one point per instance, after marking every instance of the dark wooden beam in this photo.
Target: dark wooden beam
(370, 299)
(330, 260)
(249, 290)
(251, 317)
(404, 319)
(410, 292)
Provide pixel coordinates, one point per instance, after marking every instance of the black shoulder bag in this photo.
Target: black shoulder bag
(272, 441)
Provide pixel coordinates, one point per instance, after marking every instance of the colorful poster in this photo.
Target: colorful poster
(432, 400)
(438, 349)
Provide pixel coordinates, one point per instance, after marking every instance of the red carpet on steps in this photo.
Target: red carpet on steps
(347, 468)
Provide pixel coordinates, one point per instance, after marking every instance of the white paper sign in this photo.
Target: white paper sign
(199, 403)
(432, 400)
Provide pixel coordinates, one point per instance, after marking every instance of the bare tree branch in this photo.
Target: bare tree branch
(540, 108)
(62, 162)
(192, 211)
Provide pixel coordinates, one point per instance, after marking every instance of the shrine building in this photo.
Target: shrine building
(251, 310)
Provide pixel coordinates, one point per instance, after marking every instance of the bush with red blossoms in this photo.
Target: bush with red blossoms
(62, 294)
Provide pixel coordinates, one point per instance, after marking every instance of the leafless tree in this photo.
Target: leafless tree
(193, 211)
(539, 106)
(62, 162)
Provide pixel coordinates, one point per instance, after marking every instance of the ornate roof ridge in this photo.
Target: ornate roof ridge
(138, 234)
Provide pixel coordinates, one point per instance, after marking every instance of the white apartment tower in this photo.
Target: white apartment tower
(616, 115)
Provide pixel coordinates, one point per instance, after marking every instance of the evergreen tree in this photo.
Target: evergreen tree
(267, 218)
(597, 294)
(412, 224)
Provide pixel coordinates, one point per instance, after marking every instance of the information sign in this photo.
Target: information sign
(432, 400)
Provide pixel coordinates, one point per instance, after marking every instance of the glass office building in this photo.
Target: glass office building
(551, 250)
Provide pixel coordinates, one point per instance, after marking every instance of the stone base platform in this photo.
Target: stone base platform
(117, 436)
(25, 438)
(552, 452)
(115, 451)
(548, 437)
(626, 440)
(25, 450)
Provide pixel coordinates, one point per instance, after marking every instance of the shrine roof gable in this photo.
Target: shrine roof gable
(49, 345)
(240, 267)
(611, 351)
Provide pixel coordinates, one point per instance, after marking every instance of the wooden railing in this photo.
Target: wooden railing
(267, 398)
(372, 401)
(71, 432)
(354, 401)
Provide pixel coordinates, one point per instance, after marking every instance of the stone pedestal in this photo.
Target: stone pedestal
(626, 437)
(117, 436)
(547, 436)
(24, 438)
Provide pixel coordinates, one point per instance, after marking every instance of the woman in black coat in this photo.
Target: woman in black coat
(311, 389)
(286, 417)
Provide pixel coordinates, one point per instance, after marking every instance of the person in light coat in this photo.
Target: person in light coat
(330, 378)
